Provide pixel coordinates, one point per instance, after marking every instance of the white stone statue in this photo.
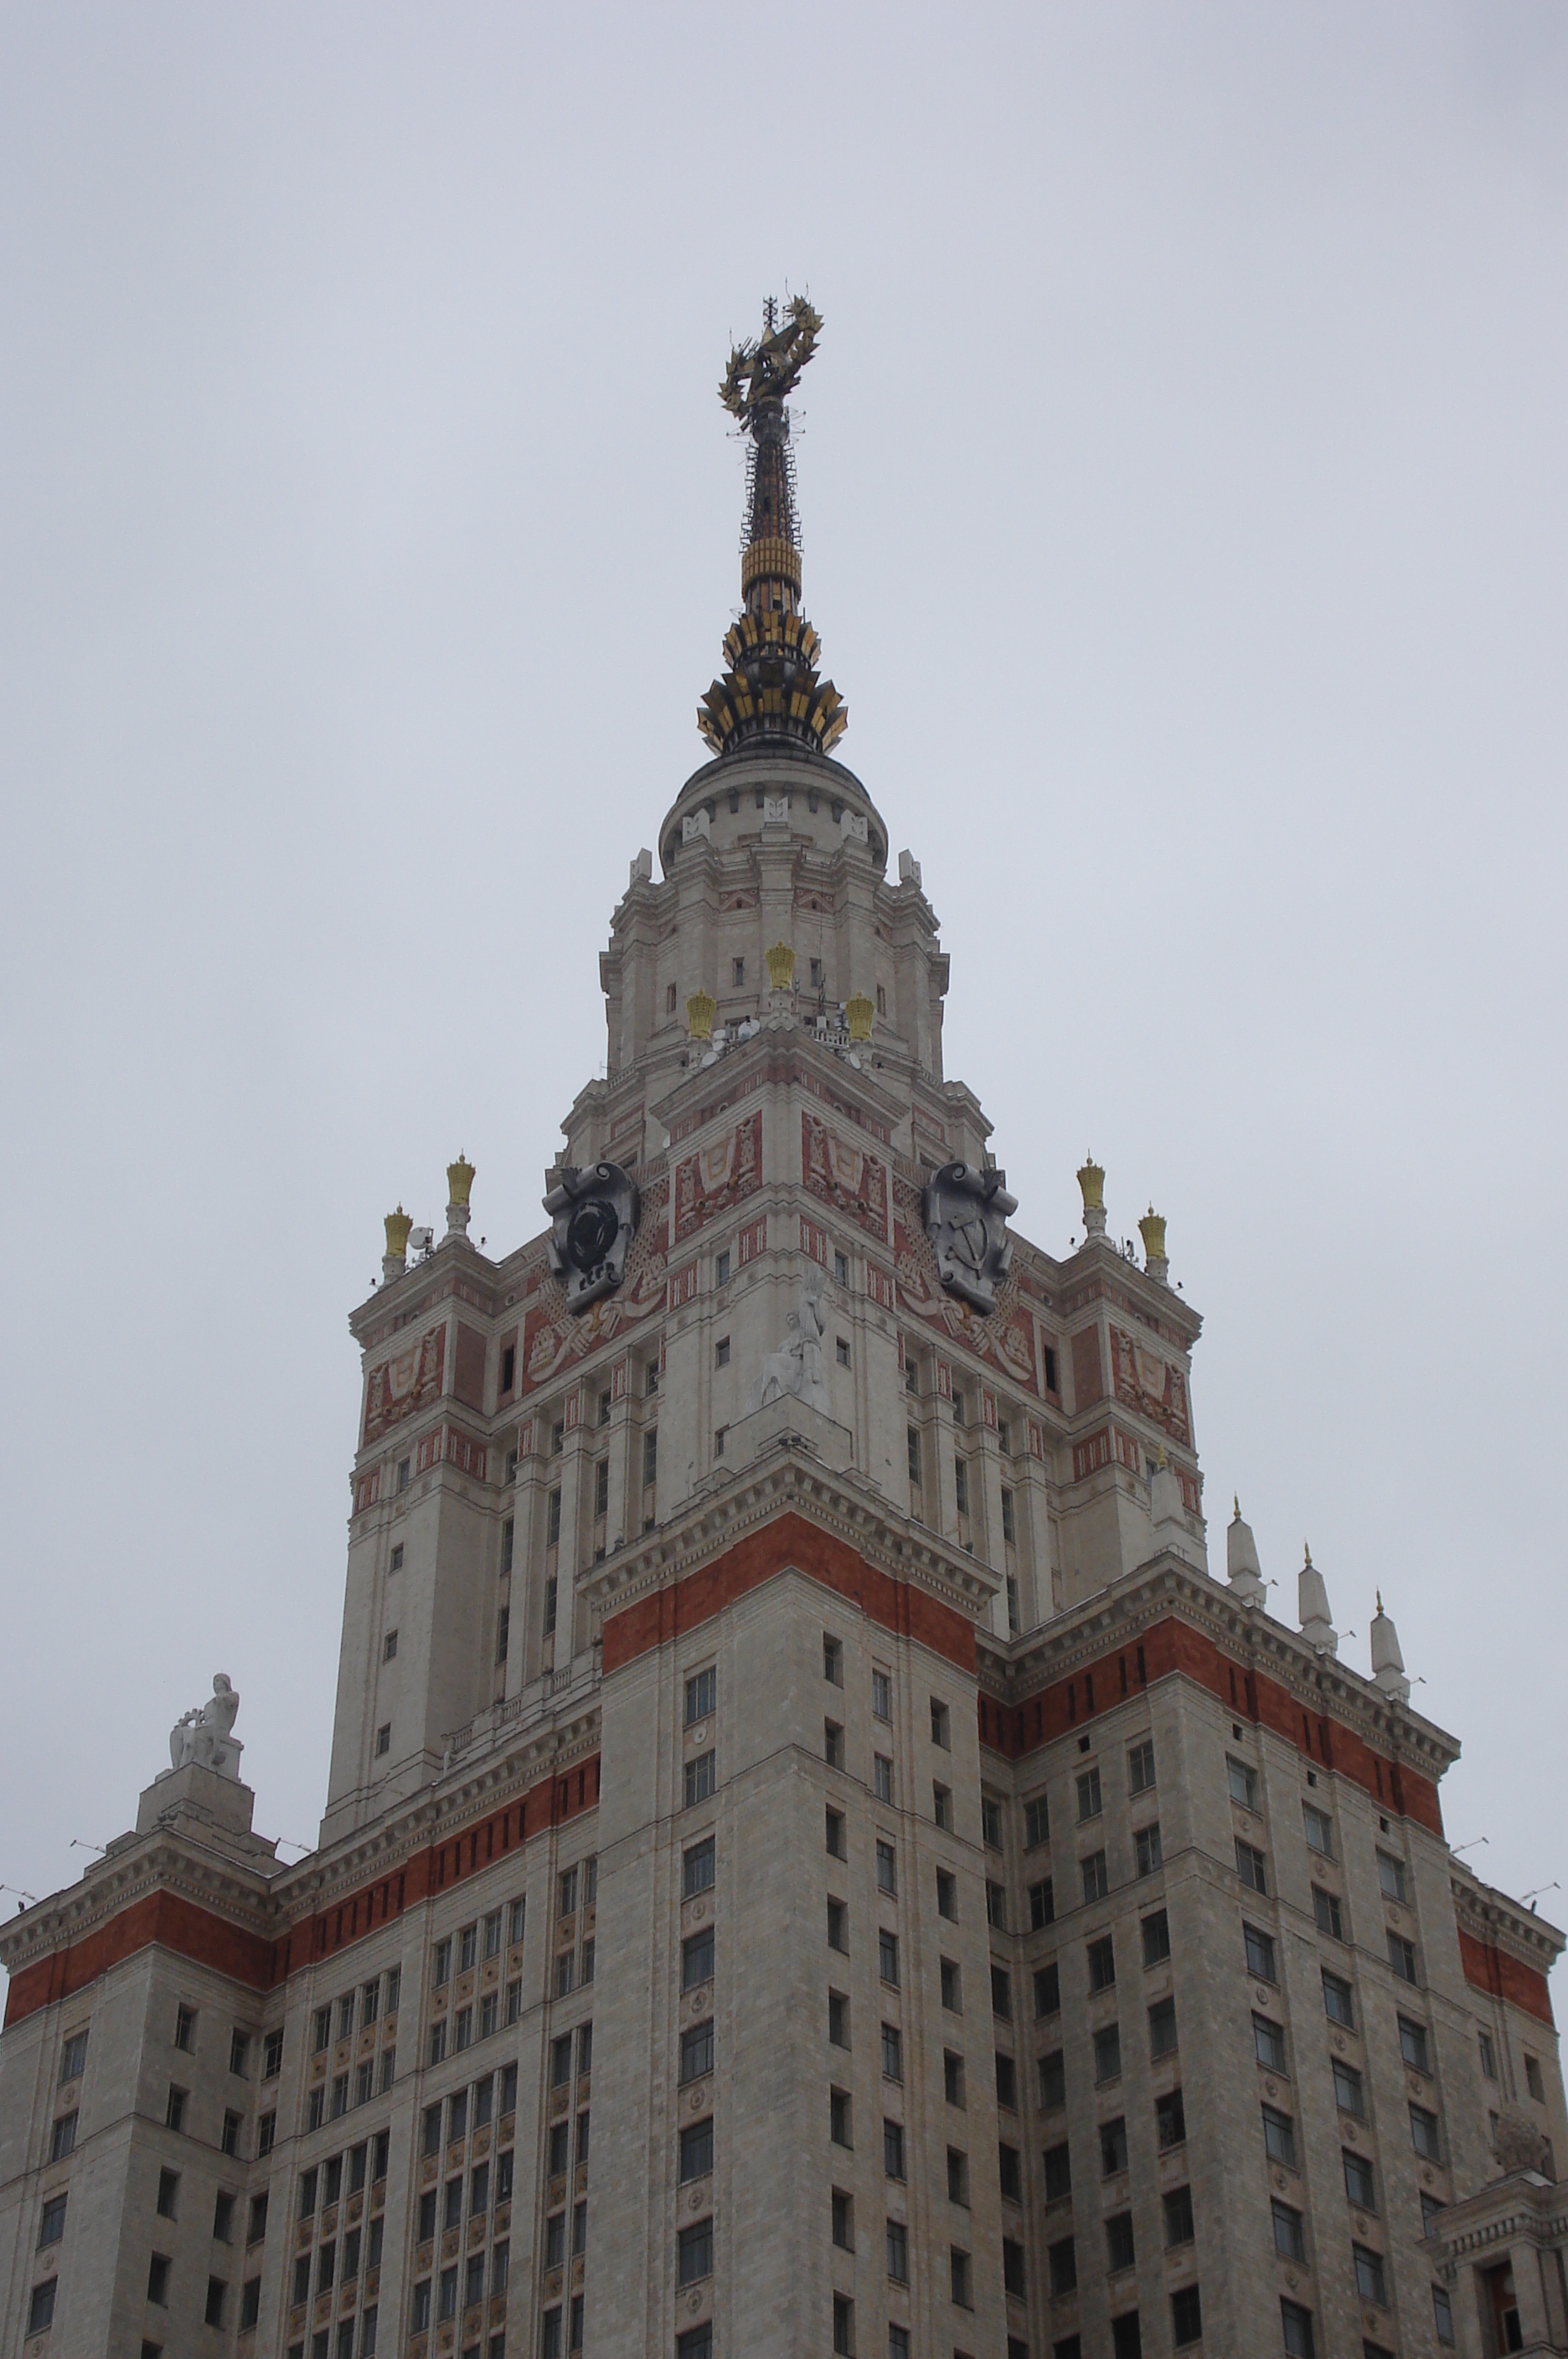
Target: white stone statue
(796, 1371)
(205, 1735)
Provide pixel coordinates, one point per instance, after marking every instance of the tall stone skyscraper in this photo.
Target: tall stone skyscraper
(820, 1855)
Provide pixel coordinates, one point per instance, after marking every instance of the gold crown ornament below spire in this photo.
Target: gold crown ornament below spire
(771, 689)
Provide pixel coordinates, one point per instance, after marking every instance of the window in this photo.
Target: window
(843, 2323)
(62, 2136)
(1297, 2325)
(701, 1694)
(1250, 1866)
(1288, 2240)
(157, 2280)
(996, 1906)
(1001, 1993)
(941, 1807)
(838, 1847)
(1127, 2337)
(1178, 2209)
(697, 1959)
(1048, 1989)
(1119, 2254)
(1423, 2133)
(1533, 2082)
(1279, 2137)
(887, 1867)
(1006, 2081)
(838, 2019)
(1140, 1766)
(1163, 2029)
(1442, 2315)
(697, 2052)
(1102, 1964)
(1096, 1884)
(737, 969)
(397, 1559)
(697, 1869)
(1013, 2268)
(697, 2150)
(898, 2252)
(833, 1744)
(722, 1353)
(1243, 1783)
(1391, 1876)
(73, 2056)
(840, 2117)
(1269, 2044)
(1320, 1829)
(1052, 2071)
(1108, 2053)
(1413, 2049)
(842, 1351)
(1488, 2056)
(947, 1894)
(1089, 1795)
(1156, 1932)
(1402, 1957)
(838, 1925)
(961, 1485)
(185, 2029)
(250, 2305)
(1058, 2162)
(222, 2217)
(1146, 1841)
(1325, 1913)
(991, 1822)
(1112, 2147)
(216, 2289)
(694, 2251)
(650, 1455)
(1370, 2282)
(1359, 2181)
(1339, 2004)
(384, 1738)
(1042, 1904)
(1061, 2262)
(700, 1778)
(40, 2306)
(842, 2220)
(1036, 1822)
(952, 1986)
(405, 1469)
(882, 1777)
(888, 1956)
(1348, 2094)
(1186, 2317)
(893, 2149)
(940, 1724)
(959, 2271)
(953, 2077)
(697, 2342)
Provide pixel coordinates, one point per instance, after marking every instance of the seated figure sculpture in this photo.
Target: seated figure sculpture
(205, 1735)
(796, 1370)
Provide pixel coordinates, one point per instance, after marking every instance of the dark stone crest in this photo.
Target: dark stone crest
(594, 1217)
(966, 1220)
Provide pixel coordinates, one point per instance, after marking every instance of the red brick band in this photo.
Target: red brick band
(1489, 1969)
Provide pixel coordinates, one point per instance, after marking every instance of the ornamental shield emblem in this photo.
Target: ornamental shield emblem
(594, 1217)
(966, 1220)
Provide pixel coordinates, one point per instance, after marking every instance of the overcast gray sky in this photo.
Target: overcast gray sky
(1182, 480)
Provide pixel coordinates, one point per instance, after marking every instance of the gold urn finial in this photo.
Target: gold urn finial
(1151, 1229)
(859, 1014)
(780, 966)
(700, 1009)
(399, 1224)
(1092, 1181)
(459, 1180)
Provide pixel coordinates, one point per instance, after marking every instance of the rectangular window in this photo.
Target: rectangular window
(701, 1694)
(1318, 1830)
(838, 1925)
(650, 1457)
(1089, 1805)
(1359, 2181)
(1442, 2316)
(1402, 1957)
(1297, 2324)
(1006, 2081)
(1325, 1913)
(1348, 2093)
(1279, 2137)
(1177, 2206)
(1119, 2252)
(51, 2223)
(940, 1724)
(1339, 2003)
(953, 2077)
(838, 2019)
(697, 1869)
(62, 2136)
(1052, 2071)
(185, 2029)
(697, 1959)
(696, 2052)
(1140, 1766)
(1096, 1884)
(996, 1906)
(882, 1777)
(1036, 1822)
(697, 2150)
(893, 2149)
(991, 1822)
(1269, 2044)
(1001, 1993)
(1488, 2056)
(887, 1867)
(1102, 1957)
(602, 1487)
(888, 1956)
(1062, 2261)
(952, 1986)
(1146, 1841)
(912, 1440)
(694, 2252)
(839, 2117)
(1112, 2147)
(947, 1894)
(1042, 1904)
(1047, 1989)
(1423, 2133)
(1288, 2240)
(881, 1696)
(1162, 2028)
(1370, 2282)
(1250, 1866)
(961, 1486)
(1532, 2079)
(1058, 2162)
(1156, 1932)
(1391, 1876)
(700, 1779)
(1243, 1783)
(1108, 2054)
(942, 1806)
(838, 1847)
(553, 1520)
(833, 1744)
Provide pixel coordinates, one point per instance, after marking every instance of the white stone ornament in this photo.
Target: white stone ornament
(966, 1220)
(795, 1372)
(593, 1215)
(204, 1735)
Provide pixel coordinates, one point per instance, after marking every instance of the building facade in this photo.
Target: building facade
(816, 1858)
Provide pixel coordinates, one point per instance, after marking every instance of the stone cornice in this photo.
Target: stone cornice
(1507, 1924)
(1524, 2205)
(1011, 1671)
(786, 1478)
